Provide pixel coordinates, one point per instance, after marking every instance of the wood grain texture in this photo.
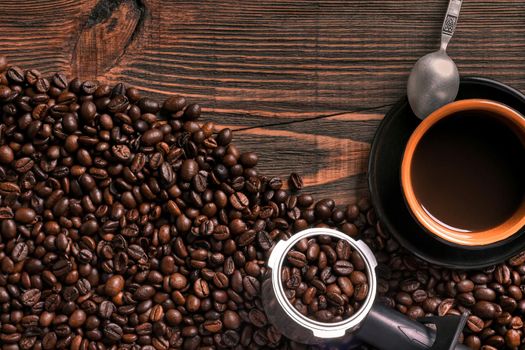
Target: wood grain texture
(112, 25)
(265, 66)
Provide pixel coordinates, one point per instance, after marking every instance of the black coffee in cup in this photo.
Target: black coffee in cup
(468, 171)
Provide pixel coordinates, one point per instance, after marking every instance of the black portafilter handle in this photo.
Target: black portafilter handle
(385, 328)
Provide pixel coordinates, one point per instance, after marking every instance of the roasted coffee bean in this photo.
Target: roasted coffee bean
(502, 274)
(192, 112)
(324, 316)
(296, 258)
(213, 326)
(343, 267)
(31, 297)
(419, 296)
(113, 332)
(251, 285)
(327, 276)
(189, 169)
(475, 324)
(15, 74)
(344, 250)
(49, 341)
(230, 338)
(114, 285)
(239, 200)
(295, 182)
(512, 338)
(484, 309)
(484, 293)
(250, 159)
(466, 299)
(20, 252)
(77, 318)
(313, 251)
(121, 152)
(106, 309)
(6, 154)
(157, 313)
(201, 288)
(200, 182)
(87, 112)
(144, 292)
(361, 292)
(83, 286)
(174, 104)
(335, 298)
(257, 318)
(465, 286)
(70, 293)
(117, 104)
(231, 319)
(518, 259)
(25, 215)
(445, 306)
(61, 268)
(60, 81)
(220, 280)
(415, 312)
(152, 137)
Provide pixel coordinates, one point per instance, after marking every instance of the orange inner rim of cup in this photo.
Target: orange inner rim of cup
(474, 238)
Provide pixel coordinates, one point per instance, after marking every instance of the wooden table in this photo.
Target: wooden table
(272, 69)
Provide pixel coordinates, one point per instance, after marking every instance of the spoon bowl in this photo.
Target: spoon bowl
(433, 83)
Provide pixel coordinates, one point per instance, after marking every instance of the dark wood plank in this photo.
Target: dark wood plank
(253, 63)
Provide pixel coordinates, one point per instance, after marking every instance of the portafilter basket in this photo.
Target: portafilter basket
(373, 323)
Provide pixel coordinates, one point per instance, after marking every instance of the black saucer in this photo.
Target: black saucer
(385, 184)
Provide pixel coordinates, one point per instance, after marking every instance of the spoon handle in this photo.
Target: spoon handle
(450, 22)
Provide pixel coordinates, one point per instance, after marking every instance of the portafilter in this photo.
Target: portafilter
(373, 323)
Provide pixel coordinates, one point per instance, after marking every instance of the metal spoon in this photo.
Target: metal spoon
(434, 80)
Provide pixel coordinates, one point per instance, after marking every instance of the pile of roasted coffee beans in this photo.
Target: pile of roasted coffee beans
(126, 224)
(325, 279)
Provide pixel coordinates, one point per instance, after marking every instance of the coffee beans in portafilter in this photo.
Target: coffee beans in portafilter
(320, 280)
(127, 224)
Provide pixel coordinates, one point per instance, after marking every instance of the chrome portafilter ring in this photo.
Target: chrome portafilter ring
(287, 319)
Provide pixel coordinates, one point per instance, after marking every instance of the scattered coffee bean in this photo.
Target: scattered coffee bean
(295, 182)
